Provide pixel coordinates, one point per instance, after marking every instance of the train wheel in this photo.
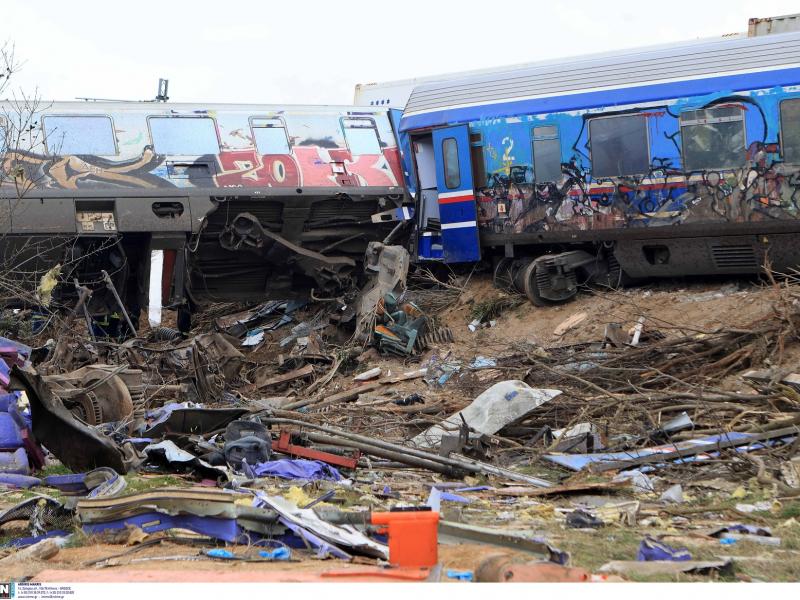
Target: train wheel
(532, 285)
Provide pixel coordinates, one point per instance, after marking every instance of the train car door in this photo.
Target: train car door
(457, 209)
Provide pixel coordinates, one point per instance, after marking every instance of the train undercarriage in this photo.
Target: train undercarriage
(554, 273)
(228, 249)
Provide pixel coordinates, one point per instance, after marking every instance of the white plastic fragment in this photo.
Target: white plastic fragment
(367, 375)
(673, 495)
(154, 289)
(500, 405)
(641, 482)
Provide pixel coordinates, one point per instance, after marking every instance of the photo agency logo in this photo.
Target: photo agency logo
(7, 590)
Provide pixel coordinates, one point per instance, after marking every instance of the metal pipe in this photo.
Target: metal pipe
(113, 290)
(383, 453)
(83, 294)
(463, 464)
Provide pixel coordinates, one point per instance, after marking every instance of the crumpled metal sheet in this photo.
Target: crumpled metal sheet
(76, 445)
(43, 514)
(199, 502)
(198, 421)
(345, 538)
(168, 452)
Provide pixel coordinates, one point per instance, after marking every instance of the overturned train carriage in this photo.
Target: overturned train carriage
(665, 161)
(229, 202)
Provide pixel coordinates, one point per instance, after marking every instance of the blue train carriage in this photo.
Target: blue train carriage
(230, 202)
(666, 161)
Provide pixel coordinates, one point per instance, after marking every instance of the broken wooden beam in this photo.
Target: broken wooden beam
(300, 373)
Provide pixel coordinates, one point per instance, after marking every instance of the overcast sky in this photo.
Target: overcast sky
(315, 51)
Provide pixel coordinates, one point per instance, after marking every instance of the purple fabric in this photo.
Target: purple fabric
(652, 549)
(8, 400)
(17, 351)
(455, 498)
(5, 374)
(740, 528)
(10, 435)
(297, 469)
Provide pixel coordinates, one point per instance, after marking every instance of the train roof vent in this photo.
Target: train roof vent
(741, 256)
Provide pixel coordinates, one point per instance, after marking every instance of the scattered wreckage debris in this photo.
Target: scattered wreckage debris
(359, 429)
(74, 443)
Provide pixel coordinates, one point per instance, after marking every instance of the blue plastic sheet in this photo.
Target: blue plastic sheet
(282, 553)
(460, 575)
(297, 469)
(20, 481)
(68, 484)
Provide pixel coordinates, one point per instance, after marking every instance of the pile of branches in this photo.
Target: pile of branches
(632, 389)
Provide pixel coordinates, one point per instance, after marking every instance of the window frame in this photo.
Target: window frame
(780, 130)
(372, 125)
(45, 136)
(479, 170)
(444, 164)
(212, 119)
(540, 138)
(282, 126)
(695, 122)
(591, 149)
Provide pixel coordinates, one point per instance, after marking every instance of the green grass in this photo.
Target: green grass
(54, 469)
(790, 510)
(138, 484)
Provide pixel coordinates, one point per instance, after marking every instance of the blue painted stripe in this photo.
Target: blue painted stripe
(457, 212)
(587, 100)
(461, 245)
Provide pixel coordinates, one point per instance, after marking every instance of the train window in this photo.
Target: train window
(478, 164)
(270, 136)
(546, 154)
(79, 134)
(186, 136)
(713, 138)
(619, 146)
(790, 130)
(452, 174)
(361, 136)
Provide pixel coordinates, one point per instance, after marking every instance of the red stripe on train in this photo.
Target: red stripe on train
(453, 199)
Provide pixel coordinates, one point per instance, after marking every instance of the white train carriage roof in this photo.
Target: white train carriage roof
(438, 103)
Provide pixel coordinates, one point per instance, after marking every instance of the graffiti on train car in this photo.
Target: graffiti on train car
(762, 186)
(317, 158)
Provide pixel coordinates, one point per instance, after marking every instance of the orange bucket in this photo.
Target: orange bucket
(413, 536)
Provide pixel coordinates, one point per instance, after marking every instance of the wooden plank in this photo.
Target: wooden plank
(305, 371)
(405, 376)
(353, 393)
